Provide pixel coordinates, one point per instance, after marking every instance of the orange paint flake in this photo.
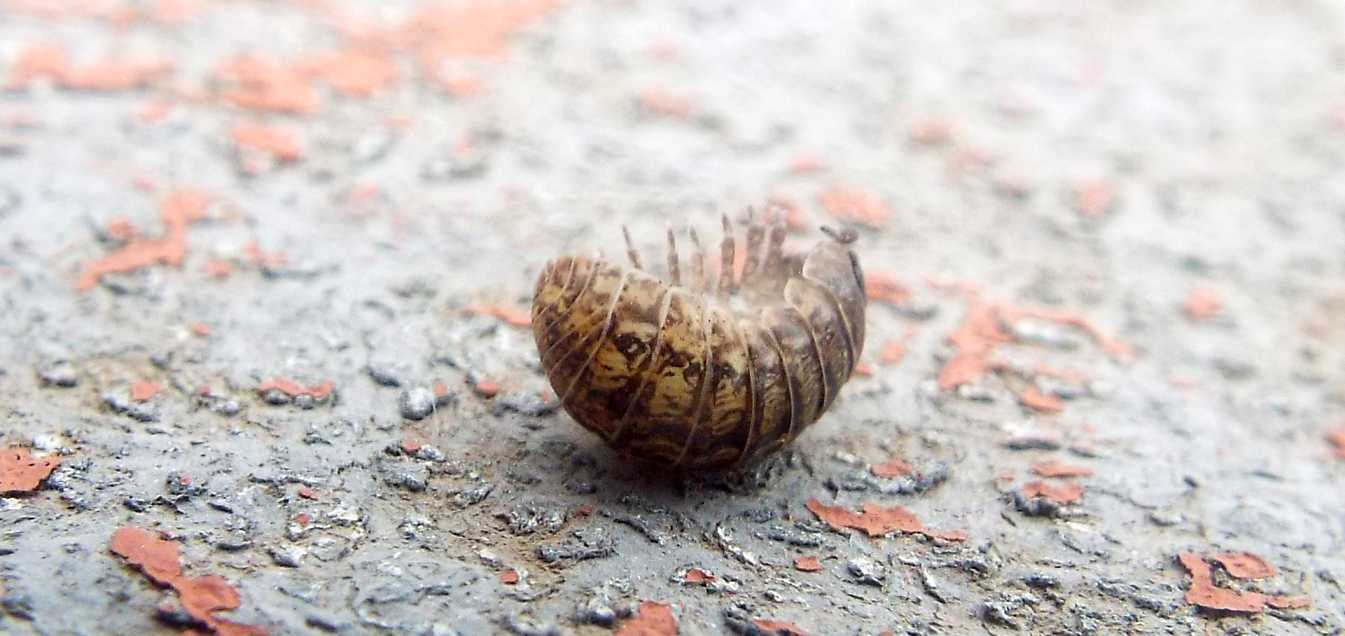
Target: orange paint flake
(652, 619)
(892, 468)
(200, 329)
(276, 142)
(805, 163)
(116, 75)
(257, 82)
(509, 577)
(307, 493)
(410, 445)
(931, 131)
(1202, 304)
(144, 391)
(476, 28)
(1337, 438)
(509, 315)
(486, 388)
(877, 521)
(1063, 494)
(175, 12)
(1040, 402)
(201, 596)
(892, 352)
(778, 628)
(154, 111)
(263, 259)
(862, 369)
(1245, 565)
(36, 61)
(660, 102)
(178, 210)
(807, 564)
(982, 331)
(1203, 593)
(21, 472)
(1093, 198)
(1115, 349)
(855, 206)
(119, 229)
(294, 389)
(1059, 469)
(697, 576)
(886, 288)
(354, 72)
(218, 268)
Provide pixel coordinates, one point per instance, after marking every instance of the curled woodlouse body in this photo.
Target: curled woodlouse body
(702, 374)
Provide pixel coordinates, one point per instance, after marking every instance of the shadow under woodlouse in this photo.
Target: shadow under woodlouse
(710, 372)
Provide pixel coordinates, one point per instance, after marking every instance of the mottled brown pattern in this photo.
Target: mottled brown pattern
(674, 375)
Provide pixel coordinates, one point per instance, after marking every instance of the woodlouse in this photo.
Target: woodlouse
(702, 375)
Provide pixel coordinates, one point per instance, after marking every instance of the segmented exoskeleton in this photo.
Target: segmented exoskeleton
(702, 374)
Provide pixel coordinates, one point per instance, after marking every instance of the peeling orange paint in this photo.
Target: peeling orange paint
(877, 521)
(1059, 469)
(279, 143)
(1204, 593)
(20, 472)
(1063, 494)
(178, 210)
(855, 206)
(201, 596)
(294, 389)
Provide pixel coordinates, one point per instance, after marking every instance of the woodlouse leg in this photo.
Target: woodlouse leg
(775, 252)
(698, 265)
(727, 246)
(630, 249)
(674, 270)
(755, 233)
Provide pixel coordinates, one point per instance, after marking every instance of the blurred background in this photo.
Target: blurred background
(265, 269)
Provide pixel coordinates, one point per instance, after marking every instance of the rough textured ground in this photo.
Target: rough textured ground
(1170, 172)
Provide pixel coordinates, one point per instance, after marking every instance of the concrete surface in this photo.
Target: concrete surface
(1114, 159)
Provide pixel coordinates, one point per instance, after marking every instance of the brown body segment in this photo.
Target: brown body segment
(673, 376)
(719, 435)
(658, 421)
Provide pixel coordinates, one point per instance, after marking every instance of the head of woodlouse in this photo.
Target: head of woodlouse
(706, 370)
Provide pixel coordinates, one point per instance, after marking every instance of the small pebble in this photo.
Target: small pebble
(416, 403)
